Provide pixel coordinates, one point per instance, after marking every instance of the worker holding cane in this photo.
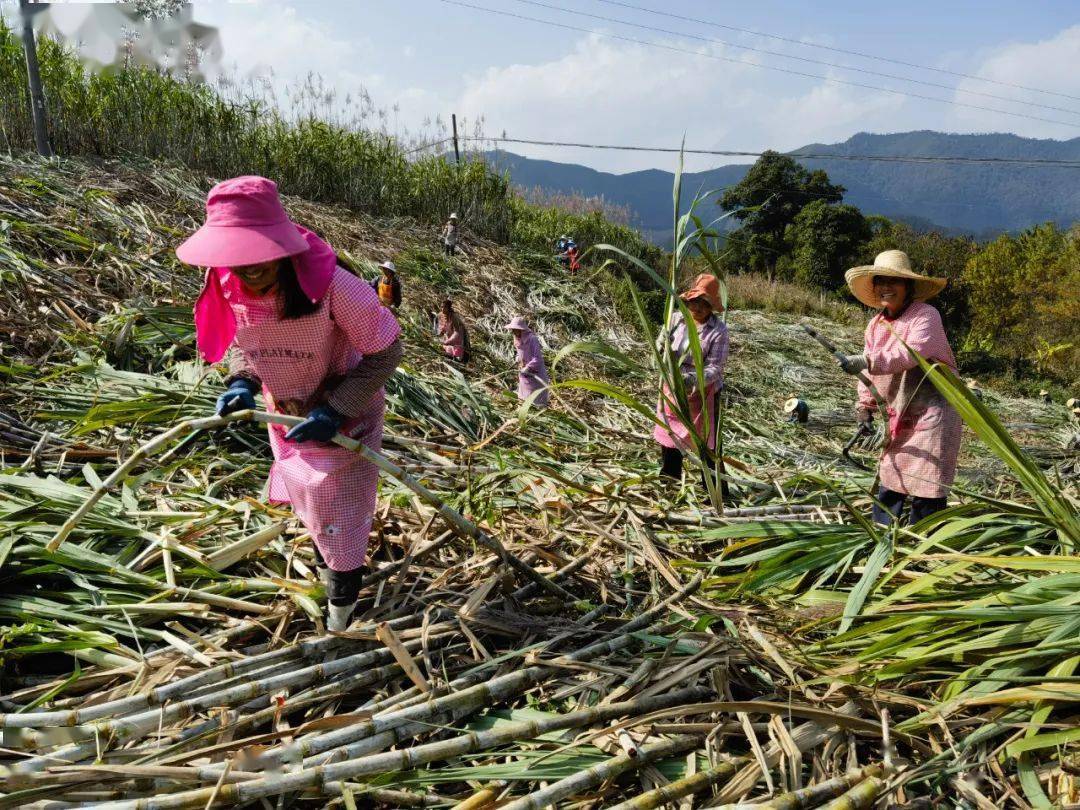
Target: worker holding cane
(923, 435)
(317, 343)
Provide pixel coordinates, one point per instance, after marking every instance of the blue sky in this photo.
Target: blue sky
(533, 81)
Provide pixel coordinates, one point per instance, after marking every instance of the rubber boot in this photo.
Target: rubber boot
(338, 617)
(342, 588)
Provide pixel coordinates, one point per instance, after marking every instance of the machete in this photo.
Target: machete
(865, 380)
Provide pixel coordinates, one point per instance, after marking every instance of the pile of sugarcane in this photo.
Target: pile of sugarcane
(450, 653)
(450, 643)
(546, 621)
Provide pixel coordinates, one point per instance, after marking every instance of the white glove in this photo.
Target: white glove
(854, 363)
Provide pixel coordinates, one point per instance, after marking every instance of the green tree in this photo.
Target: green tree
(1023, 301)
(767, 200)
(825, 239)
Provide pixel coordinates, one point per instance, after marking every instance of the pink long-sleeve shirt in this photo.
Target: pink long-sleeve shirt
(924, 429)
(713, 337)
(532, 372)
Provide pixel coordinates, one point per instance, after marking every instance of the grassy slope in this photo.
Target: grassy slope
(109, 246)
(771, 358)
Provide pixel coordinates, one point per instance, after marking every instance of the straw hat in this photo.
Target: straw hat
(894, 264)
(388, 265)
(705, 286)
(453, 216)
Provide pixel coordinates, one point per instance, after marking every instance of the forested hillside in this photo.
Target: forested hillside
(977, 199)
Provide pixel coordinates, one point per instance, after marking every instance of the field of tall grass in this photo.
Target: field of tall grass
(755, 291)
(233, 130)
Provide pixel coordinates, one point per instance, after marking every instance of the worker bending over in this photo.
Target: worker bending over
(316, 341)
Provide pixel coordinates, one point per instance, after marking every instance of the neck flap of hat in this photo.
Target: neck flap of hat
(215, 324)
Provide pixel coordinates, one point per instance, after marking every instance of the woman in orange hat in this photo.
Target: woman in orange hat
(703, 301)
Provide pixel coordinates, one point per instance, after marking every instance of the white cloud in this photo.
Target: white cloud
(278, 43)
(1048, 65)
(613, 92)
(284, 46)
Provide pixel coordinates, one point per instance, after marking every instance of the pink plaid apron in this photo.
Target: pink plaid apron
(331, 489)
(925, 430)
(713, 337)
(532, 373)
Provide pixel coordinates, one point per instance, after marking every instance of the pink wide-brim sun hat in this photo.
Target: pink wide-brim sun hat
(245, 224)
(517, 323)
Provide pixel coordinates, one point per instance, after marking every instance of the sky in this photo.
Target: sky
(419, 59)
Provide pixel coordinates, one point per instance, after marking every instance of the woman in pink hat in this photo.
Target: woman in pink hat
(316, 341)
(532, 373)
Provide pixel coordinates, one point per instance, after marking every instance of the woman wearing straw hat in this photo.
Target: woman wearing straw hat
(316, 341)
(532, 373)
(703, 301)
(387, 286)
(919, 462)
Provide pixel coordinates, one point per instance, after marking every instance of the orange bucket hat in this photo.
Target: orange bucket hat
(705, 286)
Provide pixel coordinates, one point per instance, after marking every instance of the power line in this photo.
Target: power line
(859, 54)
(806, 59)
(733, 60)
(422, 147)
(953, 159)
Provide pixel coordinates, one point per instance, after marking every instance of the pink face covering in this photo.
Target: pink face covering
(215, 324)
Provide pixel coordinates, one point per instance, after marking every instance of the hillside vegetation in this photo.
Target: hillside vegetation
(1010, 304)
(979, 199)
(142, 112)
(546, 621)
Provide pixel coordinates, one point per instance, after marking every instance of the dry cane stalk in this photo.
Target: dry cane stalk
(860, 797)
(687, 786)
(612, 768)
(482, 798)
(377, 733)
(320, 777)
(805, 737)
(463, 527)
(814, 795)
(394, 726)
(186, 687)
(137, 725)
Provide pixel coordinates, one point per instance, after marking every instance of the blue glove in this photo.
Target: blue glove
(240, 396)
(320, 426)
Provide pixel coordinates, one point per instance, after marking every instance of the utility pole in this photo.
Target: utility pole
(37, 95)
(457, 154)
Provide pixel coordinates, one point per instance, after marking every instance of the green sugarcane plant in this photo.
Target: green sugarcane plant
(692, 238)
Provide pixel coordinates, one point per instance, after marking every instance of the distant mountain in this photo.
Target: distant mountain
(979, 199)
